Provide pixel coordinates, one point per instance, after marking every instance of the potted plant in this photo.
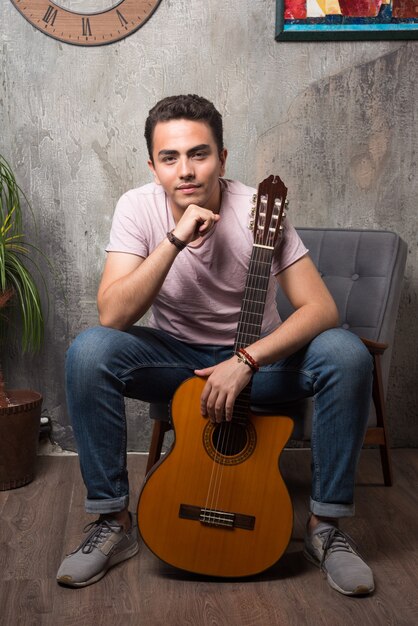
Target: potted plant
(21, 320)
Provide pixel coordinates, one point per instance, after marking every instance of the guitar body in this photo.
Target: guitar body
(217, 504)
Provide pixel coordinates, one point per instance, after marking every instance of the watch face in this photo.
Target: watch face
(91, 23)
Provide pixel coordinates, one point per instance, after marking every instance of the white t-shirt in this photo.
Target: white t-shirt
(200, 300)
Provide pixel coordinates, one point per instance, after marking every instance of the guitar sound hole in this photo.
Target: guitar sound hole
(229, 438)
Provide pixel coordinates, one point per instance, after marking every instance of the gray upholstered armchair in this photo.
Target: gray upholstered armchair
(363, 270)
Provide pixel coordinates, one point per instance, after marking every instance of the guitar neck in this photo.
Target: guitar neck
(254, 300)
(251, 316)
(268, 212)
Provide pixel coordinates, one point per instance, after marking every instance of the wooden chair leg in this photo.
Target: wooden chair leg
(159, 429)
(386, 465)
(379, 434)
(379, 402)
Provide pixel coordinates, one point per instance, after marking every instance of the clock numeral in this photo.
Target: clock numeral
(86, 26)
(50, 15)
(122, 19)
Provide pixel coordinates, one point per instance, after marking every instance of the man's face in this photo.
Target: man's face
(187, 163)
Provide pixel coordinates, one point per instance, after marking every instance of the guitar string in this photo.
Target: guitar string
(255, 284)
(258, 287)
(221, 447)
(258, 281)
(256, 271)
(226, 430)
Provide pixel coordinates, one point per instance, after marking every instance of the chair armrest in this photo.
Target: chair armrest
(373, 346)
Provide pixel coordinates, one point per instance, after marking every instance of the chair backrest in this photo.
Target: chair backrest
(363, 269)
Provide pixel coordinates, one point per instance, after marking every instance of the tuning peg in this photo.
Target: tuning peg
(286, 203)
(251, 225)
(253, 207)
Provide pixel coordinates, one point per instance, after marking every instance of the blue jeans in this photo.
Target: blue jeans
(105, 365)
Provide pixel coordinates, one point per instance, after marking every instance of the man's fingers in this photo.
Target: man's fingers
(195, 222)
(208, 224)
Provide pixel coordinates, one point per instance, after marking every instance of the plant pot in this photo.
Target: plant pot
(19, 434)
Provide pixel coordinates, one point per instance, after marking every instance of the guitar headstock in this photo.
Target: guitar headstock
(269, 211)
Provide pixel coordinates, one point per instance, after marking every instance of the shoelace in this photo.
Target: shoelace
(100, 530)
(336, 541)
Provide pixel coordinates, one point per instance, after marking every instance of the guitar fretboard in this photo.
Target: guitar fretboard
(254, 299)
(251, 316)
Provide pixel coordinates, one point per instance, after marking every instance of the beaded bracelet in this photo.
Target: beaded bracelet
(246, 358)
(180, 245)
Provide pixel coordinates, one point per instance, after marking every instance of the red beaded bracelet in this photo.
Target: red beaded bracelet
(247, 359)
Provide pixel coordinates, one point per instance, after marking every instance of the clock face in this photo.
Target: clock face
(92, 27)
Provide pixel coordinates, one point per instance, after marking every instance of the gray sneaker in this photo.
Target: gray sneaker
(105, 545)
(335, 553)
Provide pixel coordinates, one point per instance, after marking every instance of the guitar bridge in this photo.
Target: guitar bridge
(211, 517)
(216, 518)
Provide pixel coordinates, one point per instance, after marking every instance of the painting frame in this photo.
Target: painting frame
(353, 29)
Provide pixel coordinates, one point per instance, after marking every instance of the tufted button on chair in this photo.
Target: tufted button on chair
(363, 269)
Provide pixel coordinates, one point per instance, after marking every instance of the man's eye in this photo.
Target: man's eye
(200, 155)
(168, 159)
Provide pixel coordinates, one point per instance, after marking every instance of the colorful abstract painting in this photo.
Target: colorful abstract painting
(346, 19)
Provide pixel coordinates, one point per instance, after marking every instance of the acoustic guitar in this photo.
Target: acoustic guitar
(217, 504)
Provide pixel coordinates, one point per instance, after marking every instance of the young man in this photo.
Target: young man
(181, 245)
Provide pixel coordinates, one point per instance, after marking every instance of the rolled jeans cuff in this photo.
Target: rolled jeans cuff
(326, 509)
(110, 505)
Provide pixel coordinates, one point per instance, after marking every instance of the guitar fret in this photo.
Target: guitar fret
(247, 338)
(261, 263)
(247, 297)
(251, 296)
(260, 286)
(252, 307)
(255, 314)
(258, 276)
(258, 306)
(252, 325)
(249, 315)
(250, 322)
(243, 338)
(258, 258)
(254, 301)
(256, 288)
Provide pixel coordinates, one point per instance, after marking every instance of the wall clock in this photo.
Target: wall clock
(91, 28)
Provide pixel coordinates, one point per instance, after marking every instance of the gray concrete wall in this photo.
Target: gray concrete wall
(337, 121)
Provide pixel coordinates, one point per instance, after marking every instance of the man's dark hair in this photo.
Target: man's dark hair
(190, 107)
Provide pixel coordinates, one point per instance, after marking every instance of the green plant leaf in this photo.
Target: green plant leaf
(16, 256)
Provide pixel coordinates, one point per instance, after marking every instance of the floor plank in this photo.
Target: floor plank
(42, 521)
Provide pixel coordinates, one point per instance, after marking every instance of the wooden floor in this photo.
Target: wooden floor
(42, 521)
